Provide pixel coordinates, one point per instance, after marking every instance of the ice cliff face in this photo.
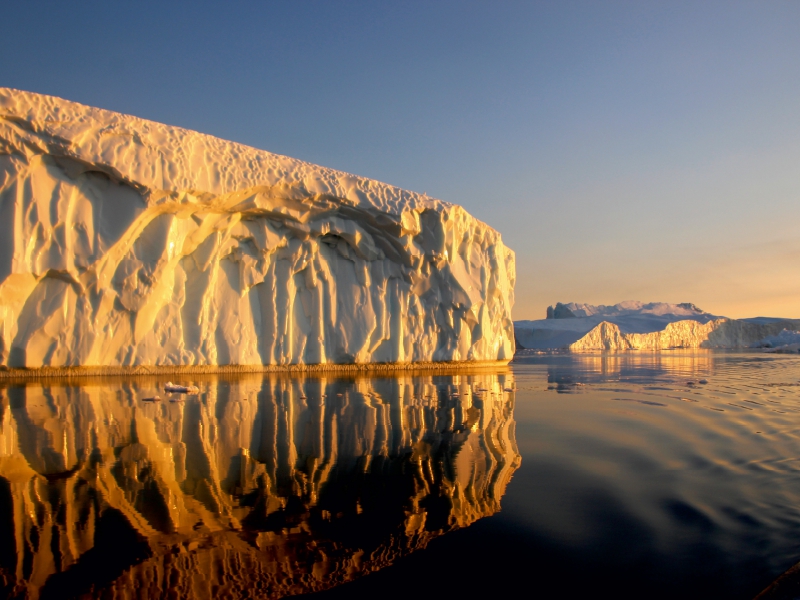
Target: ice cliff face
(253, 489)
(127, 242)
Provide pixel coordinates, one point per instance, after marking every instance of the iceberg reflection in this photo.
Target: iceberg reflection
(634, 367)
(255, 487)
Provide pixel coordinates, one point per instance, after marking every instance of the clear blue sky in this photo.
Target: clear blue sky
(626, 150)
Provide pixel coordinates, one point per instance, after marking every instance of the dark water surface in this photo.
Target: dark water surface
(632, 476)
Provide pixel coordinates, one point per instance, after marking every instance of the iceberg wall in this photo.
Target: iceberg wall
(126, 242)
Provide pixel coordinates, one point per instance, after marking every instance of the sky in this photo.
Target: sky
(625, 150)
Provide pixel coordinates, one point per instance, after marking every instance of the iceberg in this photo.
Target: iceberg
(787, 340)
(642, 326)
(126, 243)
(567, 324)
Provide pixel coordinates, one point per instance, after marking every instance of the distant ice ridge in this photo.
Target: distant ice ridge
(627, 308)
(640, 326)
(126, 242)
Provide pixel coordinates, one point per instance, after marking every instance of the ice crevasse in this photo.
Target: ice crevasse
(125, 242)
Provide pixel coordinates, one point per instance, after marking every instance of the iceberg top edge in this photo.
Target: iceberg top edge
(173, 159)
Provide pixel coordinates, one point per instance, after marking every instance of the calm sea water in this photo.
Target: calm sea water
(634, 475)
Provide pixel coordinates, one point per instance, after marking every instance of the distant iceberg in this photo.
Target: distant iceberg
(785, 338)
(636, 325)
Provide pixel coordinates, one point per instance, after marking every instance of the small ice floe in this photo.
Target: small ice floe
(181, 389)
(703, 381)
(155, 398)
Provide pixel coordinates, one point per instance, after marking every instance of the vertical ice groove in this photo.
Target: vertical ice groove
(128, 242)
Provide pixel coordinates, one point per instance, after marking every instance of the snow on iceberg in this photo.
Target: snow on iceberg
(127, 242)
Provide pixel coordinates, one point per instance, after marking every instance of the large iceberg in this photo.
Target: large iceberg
(125, 242)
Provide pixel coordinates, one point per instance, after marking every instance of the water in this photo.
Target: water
(635, 475)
